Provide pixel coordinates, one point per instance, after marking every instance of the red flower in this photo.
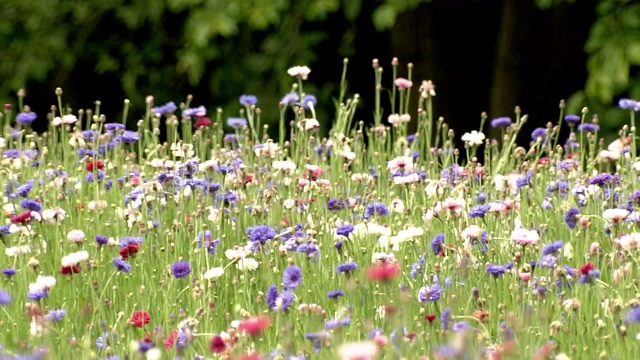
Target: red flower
(69, 270)
(255, 325)
(430, 317)
(173, 335)
(201, 122)
(140, 318)
(94, 164)
(130, 249)
(584, 269)
(383, 272)
(217, 344)
(22, 218)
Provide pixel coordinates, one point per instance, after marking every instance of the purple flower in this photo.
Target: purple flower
(5, 298)
(375, 208)
(445, 318)
(539, 133)
(290, 98)
(114, 126)
(261, 233)
(309, 99)
(337, 323)
(292, 277)
(121, 265)
(548, 261)
(37, 295)
(271, 296)
(600, 179)
(572, 119)
(32, 205)
(129, 136)
(552, 248)
(345, 230)
(101, 239)
(199, 111)
(634, 315)
(460, 326)
(479, 211)
(248, 100)
(629, 104)
(55, 315)
(346, 267)
(334, 294)
(236, 122)
(588, 127)
(26, 118)
(500, 122)
(495, 269)
(9, 272)
(430, 293)
(437, 244)
(180, 269)
(166, 108)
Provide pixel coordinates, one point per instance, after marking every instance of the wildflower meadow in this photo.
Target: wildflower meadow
(375, 238)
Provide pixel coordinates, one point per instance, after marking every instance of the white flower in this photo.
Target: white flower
(404, 163)
(473, 138)
(17, 250)
(358, 350)
(213, 273)
(615, 215)
(299, 71)
(75, 258)
(247, 264)
(284, 165)
(3, 143)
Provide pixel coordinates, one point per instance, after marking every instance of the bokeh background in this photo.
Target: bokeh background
(483, 55)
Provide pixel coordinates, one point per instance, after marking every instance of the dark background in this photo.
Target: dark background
(483, 55)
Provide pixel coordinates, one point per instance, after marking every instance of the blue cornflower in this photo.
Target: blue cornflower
(271, 296)
(539, 133)
(346, 267)
(261, 233)
(460, 326)
(317, 339)
(101, 239)
(37, 295)
(375, 208)
(601, 179)
(55, 315)
(26, 118)
(417, 267)
(334, 294)
(552, 248)
(165, 109)
(292, 277)
(500, 122)
(236, 122)
(445, 318)
(290, 98)
(337, 323)
(180, 269)
(9, 272)
(248, 100)
(437, 244)
(479, 211)
(633, 316)
(548, 261)
(191, 112)
(571, 217)
(588, 127)
(121, 265)
(5, 298)
(430, 293)
(629, 104)
(32, 205)
(345, 230)
(309, 99)
(572, 119)
(334, 204)
(129, 136)
(495, 269)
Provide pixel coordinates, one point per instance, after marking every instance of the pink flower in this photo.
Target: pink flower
(403, 83)
(299, 71)
(522, 236)
(404, 163)
(615, 215)
(76, 236)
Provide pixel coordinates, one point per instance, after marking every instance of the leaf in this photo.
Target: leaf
(351, 8)
(384, 16)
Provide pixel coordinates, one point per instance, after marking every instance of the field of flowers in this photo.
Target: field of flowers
(371, 243)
